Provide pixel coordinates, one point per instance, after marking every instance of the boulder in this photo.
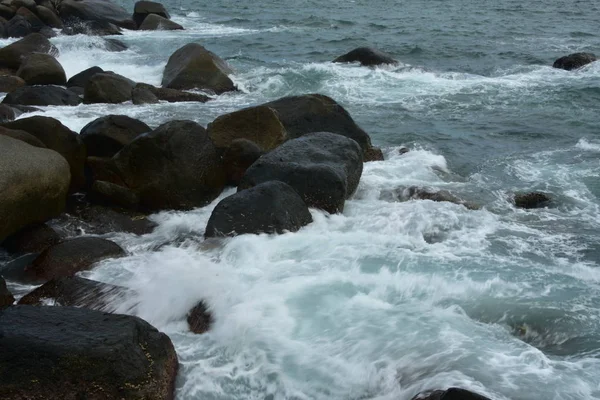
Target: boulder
(155, 22)
(15, 269)
(238, 157)
(12, 55)
(6, 12)
(31, 239)
(324, 168)
(59, 138)
(176, 166)
(81, 79)
(42, 69)
(48, 17)
(6, 297)
(366, 56)
(142, 95)
(260, 125)
(73, 291)
(532, 200)
(33, 185)
(111, 194)
(18, 27)
(199, 318)
(21, 135)
(419, 193)
(95, 10)
(29, 4)
(91, 28)
(8, 113)
(144, 8)
(373, 154)
(574, 61)
(72, 256)
(8, 83)
(173, 95)
(107, 88)
(3, 31)
(76, 353)
(42, 96)
(194, 67)
(269, 207)
(102, 169)
(114, 45)
(450, 394)
(105, 136)
(317, 113)
(36, 24)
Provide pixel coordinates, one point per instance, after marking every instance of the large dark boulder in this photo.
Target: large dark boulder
(8, 83)
(7, 12)
(176, 166)
(73, 291)
(450, 394)
(194, 67)
(6, 297)
(574, 61)
(366, 56)
(42, 96)
(59, 138)
(317, 113)
(96, 10)
(324, 168)
(29, 4)
(7, 113)
(173, 95)
(81, 79)
(42, 69)
(49, 17)
(111, 194)
(142, 95)
(532, 200)
(76, 353)
(107, 88)
(269, 207)
(144, 8)
(238, 157)
(12, 55)
(31, 239)
(21, 135)
(33, 185)
(260, 125)
(105, 136)
(72, 256)
(91, 28)
(155, 22)
(36, 24)
(18, 27)
(199, 318)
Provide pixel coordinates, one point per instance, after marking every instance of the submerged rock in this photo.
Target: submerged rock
(91, 28)
(66, 349)
(419, 193)
(6, 297)
(42, 96)
(373, 154)
(269, 207)
(42, 69)
(450, 394)
(11, 56)
(366, 56)
(574, 61)
(31, 239)
(532, 200)
(324, 168)
(199, 319)
(105, 136)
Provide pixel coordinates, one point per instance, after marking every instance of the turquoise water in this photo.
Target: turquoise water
(390, 298)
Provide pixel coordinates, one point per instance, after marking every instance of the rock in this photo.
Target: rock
(176, 166)
(194, 67)
(31, 239)
(260, 125)
(76, 353)
(155, 22)
(6, 298)
(144, 8)
(324, 168)
(114, 195)
(238, 157)
(6, 12)
(36, 24)
(12, 55)
(42, 96)
(105, 136)
(7, 113)
(366, 56)
(29, 4)
(91, 28)
(33, 185)
(419, 193)
(95, 10)
(15, 269)
(42, 69)
(77, 90)
(450, 394)
(21, 135)
(403, 150)
(59, 138)
(81, 79)
(141, 95)
(73, 291)
(48, 17)
(3, 30)
(18, 27)
(173, 95)
(107, 88)
(532, 200)
(373, 154)
(114, 45)
(574, 61)
(102, 169)
(21, 109)
(269, 207)
(317, 113)
(72, 256)
(8, 83)
(199, 319)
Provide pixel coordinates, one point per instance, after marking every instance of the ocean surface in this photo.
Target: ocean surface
(388, 298)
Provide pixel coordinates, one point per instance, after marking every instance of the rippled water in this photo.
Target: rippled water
(389, 298)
